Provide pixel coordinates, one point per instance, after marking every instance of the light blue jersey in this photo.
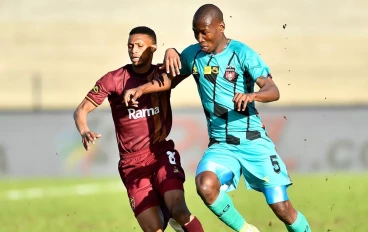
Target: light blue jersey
(239, 144)
(219, 77)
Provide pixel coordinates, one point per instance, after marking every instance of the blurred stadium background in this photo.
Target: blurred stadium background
(52, 52)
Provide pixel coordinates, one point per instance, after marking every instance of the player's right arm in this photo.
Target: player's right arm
(103, 88)
(80, 118)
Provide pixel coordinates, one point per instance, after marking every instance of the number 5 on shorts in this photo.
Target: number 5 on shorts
(275, 163)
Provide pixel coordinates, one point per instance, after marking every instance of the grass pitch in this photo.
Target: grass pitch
(331, 202)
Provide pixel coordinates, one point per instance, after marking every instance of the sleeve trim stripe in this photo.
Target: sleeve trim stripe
(92, 101)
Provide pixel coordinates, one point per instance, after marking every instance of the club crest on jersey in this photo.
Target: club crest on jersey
(230, 73)
(96, 89)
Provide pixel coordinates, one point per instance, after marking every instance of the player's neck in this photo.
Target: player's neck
(143, 69)
(222, 46)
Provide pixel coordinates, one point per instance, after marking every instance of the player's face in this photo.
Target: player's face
(140, 49)
(208, 33)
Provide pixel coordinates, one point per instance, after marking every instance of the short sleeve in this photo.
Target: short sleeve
(185, 59)
(102, 89)
(255, 66)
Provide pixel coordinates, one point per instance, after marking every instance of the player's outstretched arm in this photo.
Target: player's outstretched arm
(80, 118)
(159, 84)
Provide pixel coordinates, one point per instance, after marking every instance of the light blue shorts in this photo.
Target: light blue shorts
(256, 160)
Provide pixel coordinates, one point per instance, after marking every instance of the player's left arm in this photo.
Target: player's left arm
(173, 61)
(161, 83)
(268, 91)
(260, 73)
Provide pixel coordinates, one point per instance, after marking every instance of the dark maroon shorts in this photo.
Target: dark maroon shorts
(149, 173)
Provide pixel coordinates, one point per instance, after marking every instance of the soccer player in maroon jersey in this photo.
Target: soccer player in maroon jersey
(149, 165)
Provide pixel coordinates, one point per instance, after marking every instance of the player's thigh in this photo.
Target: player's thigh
(221, 159)
(151, 219)
(142, 195)
(169, 181)
(175, 200)
(169, 174)
(140, 190)
(262, 166)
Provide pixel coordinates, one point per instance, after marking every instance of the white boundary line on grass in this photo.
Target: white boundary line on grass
(61, 191)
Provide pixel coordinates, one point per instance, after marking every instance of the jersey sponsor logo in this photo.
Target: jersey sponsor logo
(143, 113)
(207, 70)
(211, 70)
(215, 70)
(96, 89)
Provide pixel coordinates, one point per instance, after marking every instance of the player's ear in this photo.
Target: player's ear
(222, 26)
(153, 48)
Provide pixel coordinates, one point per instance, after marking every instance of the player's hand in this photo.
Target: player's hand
(89, 137)
(131, 96)
(241, 100)
(171, 62)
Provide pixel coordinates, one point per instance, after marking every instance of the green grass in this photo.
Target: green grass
(331, 202)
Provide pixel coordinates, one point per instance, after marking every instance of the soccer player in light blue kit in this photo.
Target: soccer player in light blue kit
(225, 71)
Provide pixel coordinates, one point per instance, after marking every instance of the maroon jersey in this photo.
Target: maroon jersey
(135, 128)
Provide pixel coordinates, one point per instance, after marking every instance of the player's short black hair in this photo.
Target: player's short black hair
(146, 31)
(208, 10)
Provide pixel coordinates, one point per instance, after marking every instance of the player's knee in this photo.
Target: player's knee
(284, 211)
(181, 214)
(176, 205)
(208, 186)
